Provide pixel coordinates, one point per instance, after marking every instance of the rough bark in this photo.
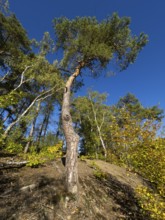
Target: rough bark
(72, 139)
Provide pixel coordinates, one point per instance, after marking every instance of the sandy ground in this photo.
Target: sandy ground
(39, 193)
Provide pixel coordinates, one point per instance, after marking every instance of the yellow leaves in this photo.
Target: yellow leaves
(136, 145)
(151, 202)
(13, 147)
(56, 150)
(46, 154)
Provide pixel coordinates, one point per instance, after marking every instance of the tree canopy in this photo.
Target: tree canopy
(135, 108)
(85, 39)
(27, 78)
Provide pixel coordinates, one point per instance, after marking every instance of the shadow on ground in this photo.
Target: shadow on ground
(124, 199)
(39, 194)
(36, 203)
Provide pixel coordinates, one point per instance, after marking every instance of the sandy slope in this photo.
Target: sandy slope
(39, 193)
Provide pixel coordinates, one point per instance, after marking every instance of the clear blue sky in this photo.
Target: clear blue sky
(146, 77)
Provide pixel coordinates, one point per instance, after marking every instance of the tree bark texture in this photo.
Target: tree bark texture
(72, 139)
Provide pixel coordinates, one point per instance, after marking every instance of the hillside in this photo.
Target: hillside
(106, 192)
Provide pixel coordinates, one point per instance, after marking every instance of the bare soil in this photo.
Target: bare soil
(39, 193)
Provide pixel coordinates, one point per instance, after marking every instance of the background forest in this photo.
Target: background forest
(31, 88)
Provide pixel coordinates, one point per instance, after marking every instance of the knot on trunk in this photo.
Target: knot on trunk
(66, 117)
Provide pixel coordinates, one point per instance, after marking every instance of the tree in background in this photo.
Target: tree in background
(119, 126)
(130, 139)
(135, 108)
(4, 5)
(26, 79)
(91, 116)
(89, 44)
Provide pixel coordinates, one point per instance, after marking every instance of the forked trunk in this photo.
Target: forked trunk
(72, 139)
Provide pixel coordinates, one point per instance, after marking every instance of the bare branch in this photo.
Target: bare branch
(28, 108)
(22, 77)
(41, 99)
(4, 76)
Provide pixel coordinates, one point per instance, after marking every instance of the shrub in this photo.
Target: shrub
(149, 161)
(46, 154)
(98, 173)
(151, 203)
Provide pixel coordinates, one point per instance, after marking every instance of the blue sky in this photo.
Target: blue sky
(146, 77)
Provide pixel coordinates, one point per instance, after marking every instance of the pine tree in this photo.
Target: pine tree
(89, 44)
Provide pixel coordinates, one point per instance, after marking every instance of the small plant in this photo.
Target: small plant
(98, 173)
(85, 157)
(34, 159)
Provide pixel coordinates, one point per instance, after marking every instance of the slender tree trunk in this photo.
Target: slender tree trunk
(40, 134)
(99, 129)
(72, 139)
(46, 123)
(102, 142)
(32, 128)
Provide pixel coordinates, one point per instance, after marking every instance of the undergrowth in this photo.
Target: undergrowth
(151, 202)
(46, 154)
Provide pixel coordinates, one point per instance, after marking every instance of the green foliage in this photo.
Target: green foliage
(14, 142)
(85, 121)
(90, 156)
(46, 154)
(13, 39)
(135, 144)
(135, 108)
(149, 161)
(151, 203)
(11, 98)
(13, 147)
(2, 141)
(96, 43)
(130, 141)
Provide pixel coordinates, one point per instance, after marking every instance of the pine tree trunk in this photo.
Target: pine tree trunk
(72, 139)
